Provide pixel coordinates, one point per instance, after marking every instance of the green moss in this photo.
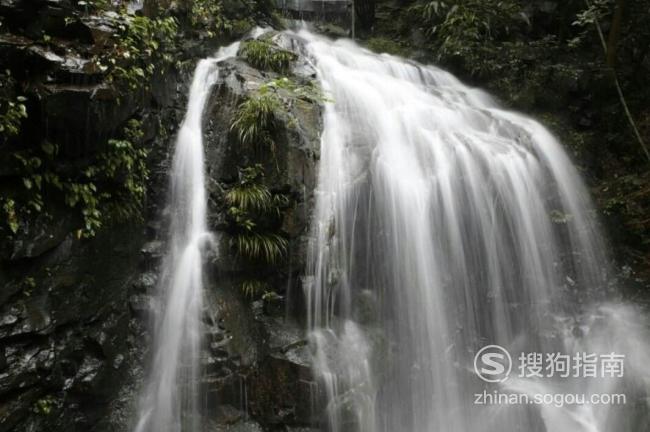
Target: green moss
(309, 91)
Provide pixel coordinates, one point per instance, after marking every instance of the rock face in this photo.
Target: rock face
(267, 373)
(74, 312)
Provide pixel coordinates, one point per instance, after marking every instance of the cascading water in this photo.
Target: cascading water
(171, 398)
(444, 223)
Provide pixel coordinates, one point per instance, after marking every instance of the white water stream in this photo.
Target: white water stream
(444, 223)
(171, 399)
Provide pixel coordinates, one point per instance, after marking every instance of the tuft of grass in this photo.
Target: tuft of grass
(259, 246)
(253, 211)
(255, 121)
(253, 287)
(262, 54)
(250, 197)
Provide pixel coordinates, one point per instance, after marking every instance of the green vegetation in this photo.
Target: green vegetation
(309, 91)
(132, 47)
(44, 406)
(265, 247)
(110, 189)
(256, 122)
(580, 66)
(209, 15)
(12, 108)
(462, 27)
(111, 185)
(383, 45)
(262, 54)
(142, 45)
(254, 213)
(253, 287)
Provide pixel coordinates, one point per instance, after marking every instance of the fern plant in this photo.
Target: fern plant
(253, 287)
(256, 121)
(268, 247)
(254, 214)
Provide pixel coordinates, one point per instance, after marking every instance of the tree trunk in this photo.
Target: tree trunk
(615, 33)
(365, 10)
(619, 90)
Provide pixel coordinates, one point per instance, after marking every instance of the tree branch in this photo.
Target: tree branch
(618, 87)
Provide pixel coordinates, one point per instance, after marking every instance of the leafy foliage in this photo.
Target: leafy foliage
(254, 212)
(142, 44)
(249, 194)
(111, 188)
(266, 247)
(264, 55)
(468, 29)
(256, 121)
(253, 287)
(12, 108)
(9, 210)
(548, 58)
(44, 406)
(209, 15)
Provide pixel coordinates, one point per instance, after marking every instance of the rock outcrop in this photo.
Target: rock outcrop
(74, 312)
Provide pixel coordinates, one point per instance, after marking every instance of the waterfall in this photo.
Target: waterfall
(171, 397)
(445, 223)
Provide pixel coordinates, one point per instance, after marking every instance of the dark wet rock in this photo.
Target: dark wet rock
(42, 234)
(75, 312)
(101, 28)
(83, 117)
(29, 315)
(227, 414)
(240, 426)
(153, 250)
(118, 361)
(145, 282)
(141, 305)
(261, 361)
(64, 333)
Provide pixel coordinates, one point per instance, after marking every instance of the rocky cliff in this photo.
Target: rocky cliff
(75, 299)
